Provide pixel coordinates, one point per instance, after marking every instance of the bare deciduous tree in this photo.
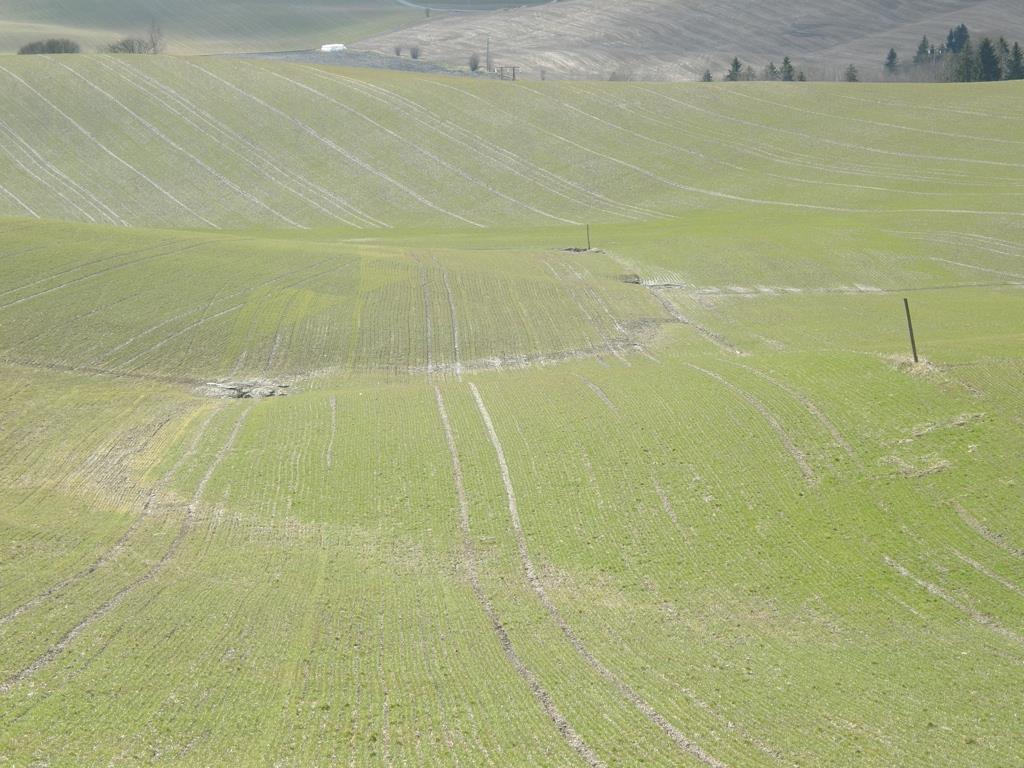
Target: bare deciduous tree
(153, 43)
(156, 38)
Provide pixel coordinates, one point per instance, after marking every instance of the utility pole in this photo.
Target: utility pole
(490, 64)
(588, 237)
(910, 327)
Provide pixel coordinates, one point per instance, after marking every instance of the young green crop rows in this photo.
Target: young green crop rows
(198, 307)
(681, 499)
(208, 143)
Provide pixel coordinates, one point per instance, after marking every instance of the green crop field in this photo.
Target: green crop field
(681, 498)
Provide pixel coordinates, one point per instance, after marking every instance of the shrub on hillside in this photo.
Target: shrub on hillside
(152, 44)
(53, 45)
(128, 45)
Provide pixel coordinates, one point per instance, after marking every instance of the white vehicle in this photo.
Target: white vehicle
(332, 48)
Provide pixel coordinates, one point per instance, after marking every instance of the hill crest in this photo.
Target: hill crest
(665, 39)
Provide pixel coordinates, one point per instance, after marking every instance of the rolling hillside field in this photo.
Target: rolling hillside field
(201, 26)
(673, 40)
(218, 26)
(678, 498)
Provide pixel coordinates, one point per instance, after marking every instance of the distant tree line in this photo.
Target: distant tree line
(959, 60)
(151, 43)
(785, 72)
(956, 59)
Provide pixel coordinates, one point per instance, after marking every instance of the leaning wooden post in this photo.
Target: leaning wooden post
(910, 327)
(588, 237)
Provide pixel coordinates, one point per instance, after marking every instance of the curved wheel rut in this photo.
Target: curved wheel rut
(773, 422)
(625, 690)
(542, 696)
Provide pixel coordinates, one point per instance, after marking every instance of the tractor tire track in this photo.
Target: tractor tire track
(961, 240)
(518, 362)
(456, 350)
(433, 156)
(154, 570)
(1000, 272)
(428, 322)
(610, 342)
(966, 138)
(82, 265)
(797, 455)
(332, 403)
(119, 545)
(469, 561)
(587, 285)
(774, 155)
(666, 504)
(44, 184)
(809, 405)
(93, 370)
(675, 148)
(989, 573)
(601, 395)
(845, 145)
(624, 689)
(180, 149)
(590, 323)
(973, 613)
(516, 119)
(990, 536)
(92, 275)
(351, 209)
(497, 155)
(21, 203)
(62, 180)
(349, 156)
(354, 159)
(203, 320)
(248, 338)
(247, 291)
(802, 136)
(106, 150)
(222, 135)
(177, 334)
(715, 338)
(700, 191)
